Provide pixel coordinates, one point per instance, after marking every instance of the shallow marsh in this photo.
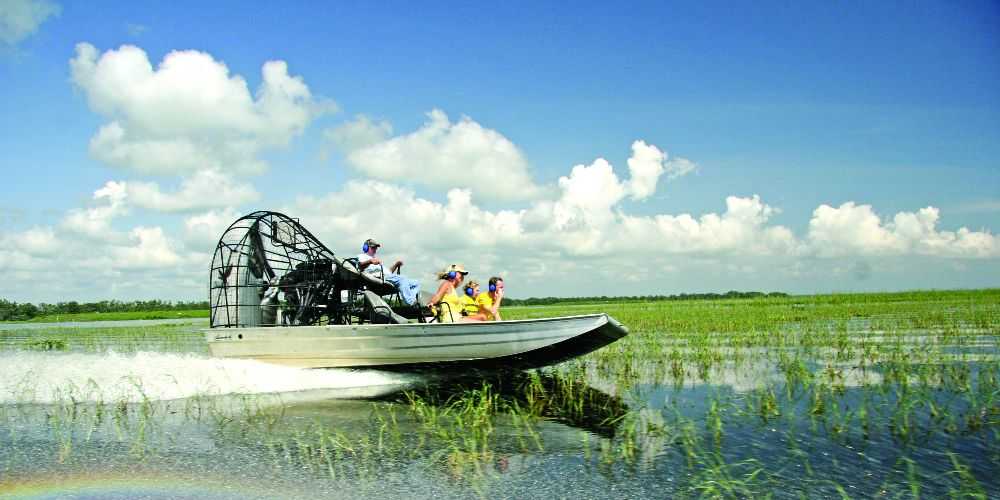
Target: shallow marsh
(894, 395)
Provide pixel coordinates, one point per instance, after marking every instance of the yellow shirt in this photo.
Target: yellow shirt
(484, 300)
(452, 311)
(469, 306)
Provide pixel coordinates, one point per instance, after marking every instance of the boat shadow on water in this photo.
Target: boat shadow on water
(550, 396)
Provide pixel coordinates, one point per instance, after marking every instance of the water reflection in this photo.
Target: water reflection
(550, 395)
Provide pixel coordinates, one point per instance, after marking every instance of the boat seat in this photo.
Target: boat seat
(347, 273)
(420, 310)
(347, 270)
(379, 311)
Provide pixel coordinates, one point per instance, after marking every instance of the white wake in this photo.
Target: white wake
(35, 377)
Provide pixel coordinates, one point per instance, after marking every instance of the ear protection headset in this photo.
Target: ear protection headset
(493, 287)
(364, 248)
(469, 291)
(452, 274)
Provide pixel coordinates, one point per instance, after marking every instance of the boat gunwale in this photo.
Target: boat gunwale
(391, 327)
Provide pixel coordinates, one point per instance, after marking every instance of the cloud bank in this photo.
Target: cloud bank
(192, 120)
(189, 114)
(580, 235)
(856, 230)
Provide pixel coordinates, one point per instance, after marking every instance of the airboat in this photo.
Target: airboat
(280, 296)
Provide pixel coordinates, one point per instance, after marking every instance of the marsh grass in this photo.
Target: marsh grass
(46, 344)
(893, 371)
(122, 339)
(806, 396)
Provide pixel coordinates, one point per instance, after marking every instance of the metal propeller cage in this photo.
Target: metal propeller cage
(269, 270)
(253, 261)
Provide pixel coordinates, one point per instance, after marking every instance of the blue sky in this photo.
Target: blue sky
(890, 106)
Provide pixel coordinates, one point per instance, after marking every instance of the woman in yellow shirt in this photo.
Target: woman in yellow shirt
(446, 299)
(469, 306)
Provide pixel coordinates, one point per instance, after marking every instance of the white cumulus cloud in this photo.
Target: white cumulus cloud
(95, 222)
(647, 164)
(205, 189)
(440, 154)
(203, 230)
(37, 241)
(853, 229)
(585, 221)
(739, 231)
(588, 194)
(19, 19)
(149, 248)
(413, 222)
(189, 113)
(357, 134)
(86, 257)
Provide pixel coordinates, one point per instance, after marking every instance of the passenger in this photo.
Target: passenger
(446, 299)
(371, 265)
(469, 306)
(489, 303)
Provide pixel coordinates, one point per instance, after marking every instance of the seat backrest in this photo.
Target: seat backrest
(380, 312)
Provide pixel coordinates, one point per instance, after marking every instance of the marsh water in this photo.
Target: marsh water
(839, 396)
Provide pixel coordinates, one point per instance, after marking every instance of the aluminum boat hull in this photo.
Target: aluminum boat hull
(518, 344)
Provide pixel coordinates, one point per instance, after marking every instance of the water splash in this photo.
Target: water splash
(35, 377)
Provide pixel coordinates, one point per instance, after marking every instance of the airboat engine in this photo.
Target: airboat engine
(268, 270)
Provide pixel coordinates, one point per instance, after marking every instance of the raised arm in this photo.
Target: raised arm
(496, 305)
(439, 294)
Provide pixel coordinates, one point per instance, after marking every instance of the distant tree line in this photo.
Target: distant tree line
(12, 311)
(732, 294)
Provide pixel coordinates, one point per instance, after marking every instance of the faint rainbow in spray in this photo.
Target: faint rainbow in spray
(149, 486)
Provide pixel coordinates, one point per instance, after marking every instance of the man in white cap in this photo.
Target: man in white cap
(370, 264)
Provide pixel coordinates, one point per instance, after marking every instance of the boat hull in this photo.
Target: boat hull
(516, 344)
